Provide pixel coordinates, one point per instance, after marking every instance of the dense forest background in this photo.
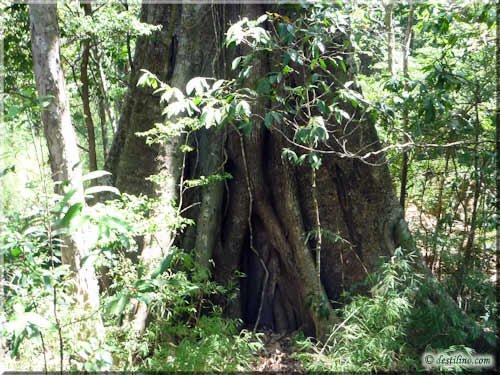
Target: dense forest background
(216, 187)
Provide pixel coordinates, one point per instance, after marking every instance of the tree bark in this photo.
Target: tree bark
(61, 139)
(130, 159)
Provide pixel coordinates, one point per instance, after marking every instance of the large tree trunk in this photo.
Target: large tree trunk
(60, 135)
(136, 161)
(257, 223)
(131, 160)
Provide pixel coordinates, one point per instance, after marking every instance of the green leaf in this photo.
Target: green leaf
(15, 251)
(261, 19)
(342, 113)
(322, 63)
(145, 297)
(287, 154)
(276, 116)
(317, 121)
(207, 117)
(235, 33)
(272, 117)
(16, 343)
(236, 63)
(147, 79)
(246, 126)
(430, 113)
(67, 197)
(144, 286)
(314, 160)
(246, 73)
(268, 120)
(243, 108)
(293, 55)
(100, 189)
(117, 304)
(116, 223)
(263, 86)
(163, 266)
(47, 281)
(343, 66)
(37, 320)
(218, 84)
(172, 92)
(95, 174)
(198, 85)
(322, 107)
(73, 212)
(314, 132)
(175, 108)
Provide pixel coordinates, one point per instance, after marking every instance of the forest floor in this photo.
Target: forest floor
(277, 355)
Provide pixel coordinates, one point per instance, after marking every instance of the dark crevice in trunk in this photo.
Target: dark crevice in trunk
(282, 306)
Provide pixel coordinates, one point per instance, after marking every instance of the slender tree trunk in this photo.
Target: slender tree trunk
(104, 88)
(439, 214)
(404, 179)
(60, 135)
(104, 128)
(389, 9)
(406, 120)
(469, 243)
(129, 49)
(85, 92)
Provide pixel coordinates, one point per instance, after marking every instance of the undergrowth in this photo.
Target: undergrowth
(389, 329)
(40, 316)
